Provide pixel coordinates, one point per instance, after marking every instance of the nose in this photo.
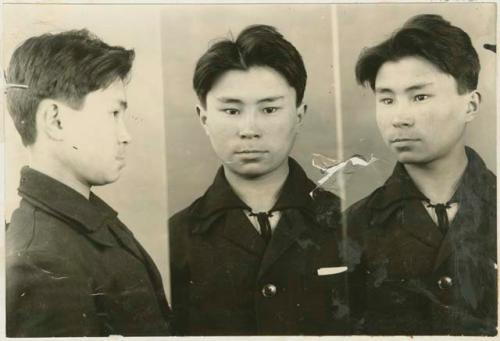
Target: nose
(403, 116)
(123, 133)
(249, 128)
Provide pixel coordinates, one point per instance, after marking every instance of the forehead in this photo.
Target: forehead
(251, 85)
(113, 94)
(410, 71)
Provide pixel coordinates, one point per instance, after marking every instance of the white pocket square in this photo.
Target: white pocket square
(331, 271)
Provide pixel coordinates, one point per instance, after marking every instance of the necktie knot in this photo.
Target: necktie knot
(442, 215)
(439, 206)
(264, 224)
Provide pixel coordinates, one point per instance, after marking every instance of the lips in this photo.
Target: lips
(403, 139)
(251, 151)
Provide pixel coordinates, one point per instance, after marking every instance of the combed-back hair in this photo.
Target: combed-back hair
(256, 45)
(430, 37)
(64, 66)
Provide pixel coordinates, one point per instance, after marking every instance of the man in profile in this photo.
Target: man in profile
(256, 254)
(73, 269)
(429, 233)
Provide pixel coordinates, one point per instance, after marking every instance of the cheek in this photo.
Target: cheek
(220, 130)
(281, 140)
(284, 125)
(221, 136)
(383, 120)
(436, 121)
(102, 142)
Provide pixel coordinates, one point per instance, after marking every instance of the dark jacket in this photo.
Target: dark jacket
(414, 280)
(226, 282)
(73, 269)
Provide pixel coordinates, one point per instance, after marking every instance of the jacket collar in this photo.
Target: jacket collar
(220, 197)
(399, 186)
(60, 200)
(477, 178)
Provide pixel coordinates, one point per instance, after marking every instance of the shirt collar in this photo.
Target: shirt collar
(51, 195)
(220, 197)
(399, 186)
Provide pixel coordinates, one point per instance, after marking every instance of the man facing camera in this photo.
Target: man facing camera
(429, 233)
(256, 254)
(73, 269)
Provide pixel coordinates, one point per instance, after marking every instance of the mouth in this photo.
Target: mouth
(250, 151)
(403, 140)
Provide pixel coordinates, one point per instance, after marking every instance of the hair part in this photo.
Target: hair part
(256, 45)
(430, 37)
(64, 66)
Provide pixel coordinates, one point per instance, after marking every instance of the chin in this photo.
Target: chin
(412, 158)
(106, 180)
(250, 171)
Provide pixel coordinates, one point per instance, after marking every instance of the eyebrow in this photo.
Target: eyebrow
(408, 89)
(270, 99)
(229, 100)
(239, 101)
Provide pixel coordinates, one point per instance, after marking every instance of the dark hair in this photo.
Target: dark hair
(64, 66)
(257, 45)
(431, 37)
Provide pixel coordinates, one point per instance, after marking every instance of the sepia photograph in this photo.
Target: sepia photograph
(243, 169)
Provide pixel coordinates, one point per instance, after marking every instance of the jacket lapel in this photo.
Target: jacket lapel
(400, 196)
(240, 231)
(473, 196)
(125, 238)
(416, 221)
(289, 229)
(465, 223)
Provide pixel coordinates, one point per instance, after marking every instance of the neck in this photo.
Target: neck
(45, 163)
(438, 180)
(260, 193)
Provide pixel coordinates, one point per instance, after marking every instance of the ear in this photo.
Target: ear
(49, 119)
(473, 102)
(202, 116)
(301, 113)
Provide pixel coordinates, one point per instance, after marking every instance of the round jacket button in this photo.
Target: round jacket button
(445, 282)
(269, 290)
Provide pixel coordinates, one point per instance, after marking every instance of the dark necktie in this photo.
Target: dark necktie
(442, 216)
(264, 224)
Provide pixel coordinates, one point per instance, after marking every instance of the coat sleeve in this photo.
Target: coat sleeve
(45, 297)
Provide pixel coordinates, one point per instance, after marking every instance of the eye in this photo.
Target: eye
(115, 113)
(231, 111)
(420, 98)
(270, 110)
(386, 101)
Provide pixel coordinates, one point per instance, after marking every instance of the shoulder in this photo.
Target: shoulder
(360, 214)
(38, 240)
(359, 207)
(491, 180)
(184, 218)
(180, 227)
(362, 207)
(327, 210)
(32, 228)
